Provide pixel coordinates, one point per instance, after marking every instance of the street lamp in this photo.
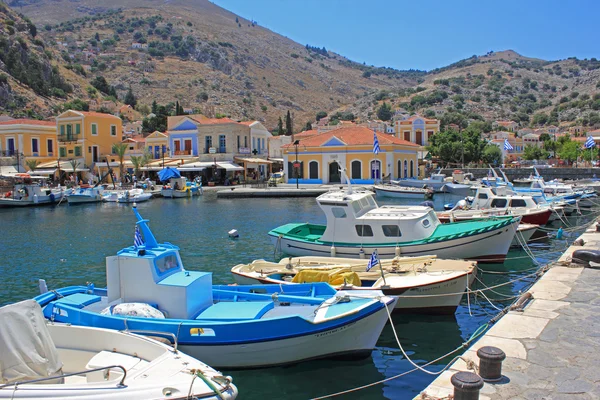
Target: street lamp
(164, 149)
(296, 164)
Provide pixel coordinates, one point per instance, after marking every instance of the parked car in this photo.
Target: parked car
(276, 177)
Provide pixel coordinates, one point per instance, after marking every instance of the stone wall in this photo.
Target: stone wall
(547, 173)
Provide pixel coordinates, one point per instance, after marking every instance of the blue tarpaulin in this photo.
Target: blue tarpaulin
(168, 173)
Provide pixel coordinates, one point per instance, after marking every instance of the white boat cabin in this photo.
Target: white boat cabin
(499, 197)
(154, 274)
(355, 217)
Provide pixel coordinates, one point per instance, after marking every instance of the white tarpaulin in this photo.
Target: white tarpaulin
(8, 170)
(26, 347)
(229, 166)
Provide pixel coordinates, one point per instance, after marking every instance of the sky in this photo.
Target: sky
(426, 34)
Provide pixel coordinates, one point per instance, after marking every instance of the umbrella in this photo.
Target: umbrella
(168, 173)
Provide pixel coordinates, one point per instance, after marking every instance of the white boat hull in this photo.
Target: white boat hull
(355, 340)
(484, 247)
(399, 193)
(76, 199)
(524, 234)
(178, 193)
(435, 298)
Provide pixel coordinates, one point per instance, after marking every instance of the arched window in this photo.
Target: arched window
(356, 170)
(399, 169)
(405, 169)
(313, 170)
(296, 171)
(412, 169)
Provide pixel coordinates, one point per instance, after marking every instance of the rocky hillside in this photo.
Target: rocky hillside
(30, 83)
(501, 85)
(212, 61)
(204, 57)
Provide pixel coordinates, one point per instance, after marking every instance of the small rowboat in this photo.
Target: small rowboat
(423, 284)
(403, 192)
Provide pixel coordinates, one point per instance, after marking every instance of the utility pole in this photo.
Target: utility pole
(296, 165)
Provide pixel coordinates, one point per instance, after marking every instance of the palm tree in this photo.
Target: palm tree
(32, 164)
(119, 149)
(74, 165)
(137, 164)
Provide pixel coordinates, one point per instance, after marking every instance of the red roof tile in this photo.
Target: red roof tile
(28, 122)
(352, 136)
(97, 114)
(215, 121)
(247, 123)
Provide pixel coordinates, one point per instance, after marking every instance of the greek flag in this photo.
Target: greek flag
(138, 240)
(376, 148)
(507, 146)
(589, 143)
(373, 261)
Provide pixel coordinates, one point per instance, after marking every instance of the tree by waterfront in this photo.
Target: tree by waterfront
(119, 149)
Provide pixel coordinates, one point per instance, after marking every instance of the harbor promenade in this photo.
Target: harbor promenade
(551, 345)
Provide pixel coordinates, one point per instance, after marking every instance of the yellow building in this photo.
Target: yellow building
(416, 129)
(157, 144)
(318, 157)
(29, 139)
(87, 136)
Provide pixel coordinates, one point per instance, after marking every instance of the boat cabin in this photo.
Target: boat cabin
(355, 217)
(499, 197)
(153, 273)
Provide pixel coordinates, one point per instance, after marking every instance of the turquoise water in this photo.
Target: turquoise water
(67, 245)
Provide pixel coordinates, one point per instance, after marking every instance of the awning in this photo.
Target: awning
(8, 170)
(276, 160)
(254, 160)
(44, 171)
(228, 166)
(70, 169)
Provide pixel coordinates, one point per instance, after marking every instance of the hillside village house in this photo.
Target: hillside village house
(417, 129)
(320, 157)
(86, 137)
(518, 144)
(27, 139)
(510, 126)
(127, 112)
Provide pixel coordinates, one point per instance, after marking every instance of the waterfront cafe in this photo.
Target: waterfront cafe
(316, 159)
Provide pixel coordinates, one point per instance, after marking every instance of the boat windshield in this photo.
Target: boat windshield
(166, 264)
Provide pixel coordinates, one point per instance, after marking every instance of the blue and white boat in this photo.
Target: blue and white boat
(177, 186)
(86, 194)
(226, 326)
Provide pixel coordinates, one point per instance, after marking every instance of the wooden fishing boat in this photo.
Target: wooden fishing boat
(422, 284)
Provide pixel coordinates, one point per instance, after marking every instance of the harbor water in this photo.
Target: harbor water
(67, 245)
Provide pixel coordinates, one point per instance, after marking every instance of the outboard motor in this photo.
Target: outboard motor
(427, 204)
(460, 205)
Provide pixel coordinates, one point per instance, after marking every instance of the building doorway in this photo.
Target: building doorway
(334, 173)
(95, 155)
(376, 170)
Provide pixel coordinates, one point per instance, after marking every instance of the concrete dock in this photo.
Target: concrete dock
(552, 345)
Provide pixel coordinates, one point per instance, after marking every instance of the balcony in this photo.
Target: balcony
(69, 138)
(182, 153)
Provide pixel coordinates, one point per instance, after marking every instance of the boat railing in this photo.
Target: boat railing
(87, 371)
(153, 333)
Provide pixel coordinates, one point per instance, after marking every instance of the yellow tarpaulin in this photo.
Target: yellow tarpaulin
(332, 276)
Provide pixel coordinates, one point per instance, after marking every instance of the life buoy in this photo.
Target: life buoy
(9, 194)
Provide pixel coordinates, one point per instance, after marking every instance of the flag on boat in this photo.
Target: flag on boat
(138, 240)
(376, 148)
(589, 143)
(507, 145)
(373, 261)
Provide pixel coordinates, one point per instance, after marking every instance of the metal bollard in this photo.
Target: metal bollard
(490, 363)
(466, 385)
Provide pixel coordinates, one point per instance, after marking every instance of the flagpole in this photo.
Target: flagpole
(382, 274)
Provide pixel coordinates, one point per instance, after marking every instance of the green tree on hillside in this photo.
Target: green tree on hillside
(321, 114)
(130, 98)
(384, 112)
(280, 130)
(289, 124)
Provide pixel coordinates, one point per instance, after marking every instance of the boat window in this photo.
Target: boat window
(391, 230)
(166, 264)
(338, 212)
(482, 196)
(371, 201)
(498, 203)
(364, 230)
(518, 203)
(426, 223)
(356, 206)
(364, 202)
